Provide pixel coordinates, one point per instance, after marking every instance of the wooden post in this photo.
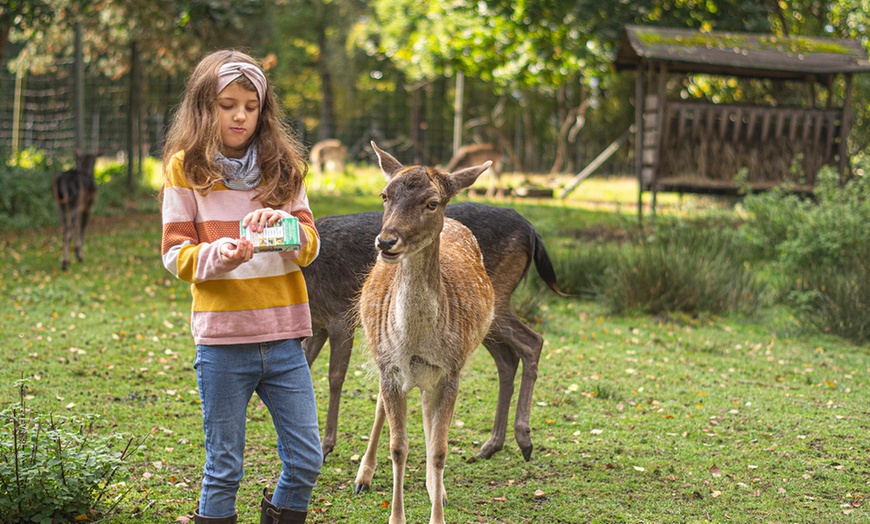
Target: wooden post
(17, 106)
(458, 103)
(132, 117)
(79, 89)
(845, 129)
(638, 138)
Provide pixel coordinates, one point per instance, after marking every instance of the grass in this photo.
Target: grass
(635, 418)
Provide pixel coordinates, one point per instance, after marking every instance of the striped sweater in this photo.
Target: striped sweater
(261, 300)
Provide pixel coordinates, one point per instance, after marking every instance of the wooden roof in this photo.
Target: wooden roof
(754, 55)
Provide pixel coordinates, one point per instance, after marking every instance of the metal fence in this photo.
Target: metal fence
(128, 115)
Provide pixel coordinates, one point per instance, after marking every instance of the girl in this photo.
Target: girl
(228, 158)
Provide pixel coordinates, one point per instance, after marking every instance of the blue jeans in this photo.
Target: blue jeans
(227, 377)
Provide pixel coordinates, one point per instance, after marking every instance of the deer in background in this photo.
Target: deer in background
(75, 192)
(509, 244)
(425, 307)
(328, 155)
(477, 154)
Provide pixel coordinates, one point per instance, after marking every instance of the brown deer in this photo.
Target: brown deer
(476, 154)
(75, 192)
(509, 244)
(327, 155)
(425, 307)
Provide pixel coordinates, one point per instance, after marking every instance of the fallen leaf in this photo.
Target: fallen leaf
(500, 499)
(715, 471)
(385, 504)
(539, 493)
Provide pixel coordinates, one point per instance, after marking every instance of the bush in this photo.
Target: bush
(54, 469)
(822, 250)
(683, 268)
(26, 201)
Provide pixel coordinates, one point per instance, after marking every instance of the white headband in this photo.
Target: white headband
(232, 70)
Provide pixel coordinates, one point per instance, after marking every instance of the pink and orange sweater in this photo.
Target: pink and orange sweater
(261, 300)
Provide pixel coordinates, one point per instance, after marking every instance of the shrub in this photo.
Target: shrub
(821, 249)
(836, 302)
(55, 469)
(26, 201)
(683, 268)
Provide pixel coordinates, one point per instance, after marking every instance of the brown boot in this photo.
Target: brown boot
(199, 519)
(272, 514)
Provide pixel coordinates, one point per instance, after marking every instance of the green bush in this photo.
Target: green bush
(26, 201)
(683, 268)
(55, 469)
(821, 249)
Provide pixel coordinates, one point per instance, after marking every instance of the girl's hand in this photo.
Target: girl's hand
(238, 254)
(259, 219)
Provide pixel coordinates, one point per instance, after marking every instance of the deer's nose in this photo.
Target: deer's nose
(385, 243)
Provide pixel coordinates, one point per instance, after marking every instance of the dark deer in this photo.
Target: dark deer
(75, 192)
(476, 154)
(509, 244)
(425, 307)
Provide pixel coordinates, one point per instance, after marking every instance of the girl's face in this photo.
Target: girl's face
(238, 112)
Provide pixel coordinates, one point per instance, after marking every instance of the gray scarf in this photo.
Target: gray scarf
(240, 173)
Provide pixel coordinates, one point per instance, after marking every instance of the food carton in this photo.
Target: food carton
(283, 236)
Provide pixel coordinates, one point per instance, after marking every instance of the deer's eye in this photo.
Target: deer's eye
(384, 197)
(432, 205)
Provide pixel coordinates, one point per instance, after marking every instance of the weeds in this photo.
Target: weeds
(55, 469)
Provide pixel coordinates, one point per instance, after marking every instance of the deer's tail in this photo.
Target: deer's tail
(544, 266)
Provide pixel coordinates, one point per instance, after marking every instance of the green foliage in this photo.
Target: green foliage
(55, 469)
(26, 202)
(822, 248)
(683, 268)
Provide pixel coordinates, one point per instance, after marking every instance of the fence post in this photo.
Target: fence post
(16, 111)
(132, 116)
(79, 80)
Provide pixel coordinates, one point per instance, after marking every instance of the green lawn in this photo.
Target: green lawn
(635, 419)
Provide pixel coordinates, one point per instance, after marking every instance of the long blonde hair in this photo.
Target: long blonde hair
(195, 130)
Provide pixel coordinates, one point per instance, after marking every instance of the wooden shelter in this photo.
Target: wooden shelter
(694, 146)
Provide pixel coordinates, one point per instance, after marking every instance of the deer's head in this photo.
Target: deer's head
(414, 202)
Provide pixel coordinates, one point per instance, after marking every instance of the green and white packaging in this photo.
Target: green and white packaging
(282, 236)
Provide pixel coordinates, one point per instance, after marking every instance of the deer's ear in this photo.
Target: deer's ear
(465, 177)
(389, 165)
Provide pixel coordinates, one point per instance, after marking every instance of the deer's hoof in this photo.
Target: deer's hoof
(527, 452)
(64, 265)
(359, 488)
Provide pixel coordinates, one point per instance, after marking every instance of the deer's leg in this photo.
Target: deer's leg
(527, 344)
(78, 218)
(506, 362)
(87, 210)
(66, 228)
(313, 344)
(493, 184)
(438, 406)
(396, 409)
(341, 345)
(370, 460)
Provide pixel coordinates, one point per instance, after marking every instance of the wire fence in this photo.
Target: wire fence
(122, 117)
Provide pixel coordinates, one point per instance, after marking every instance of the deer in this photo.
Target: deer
(426, 305)
(509, 244)
(473, 154)
(327, 155)
(75, 193)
